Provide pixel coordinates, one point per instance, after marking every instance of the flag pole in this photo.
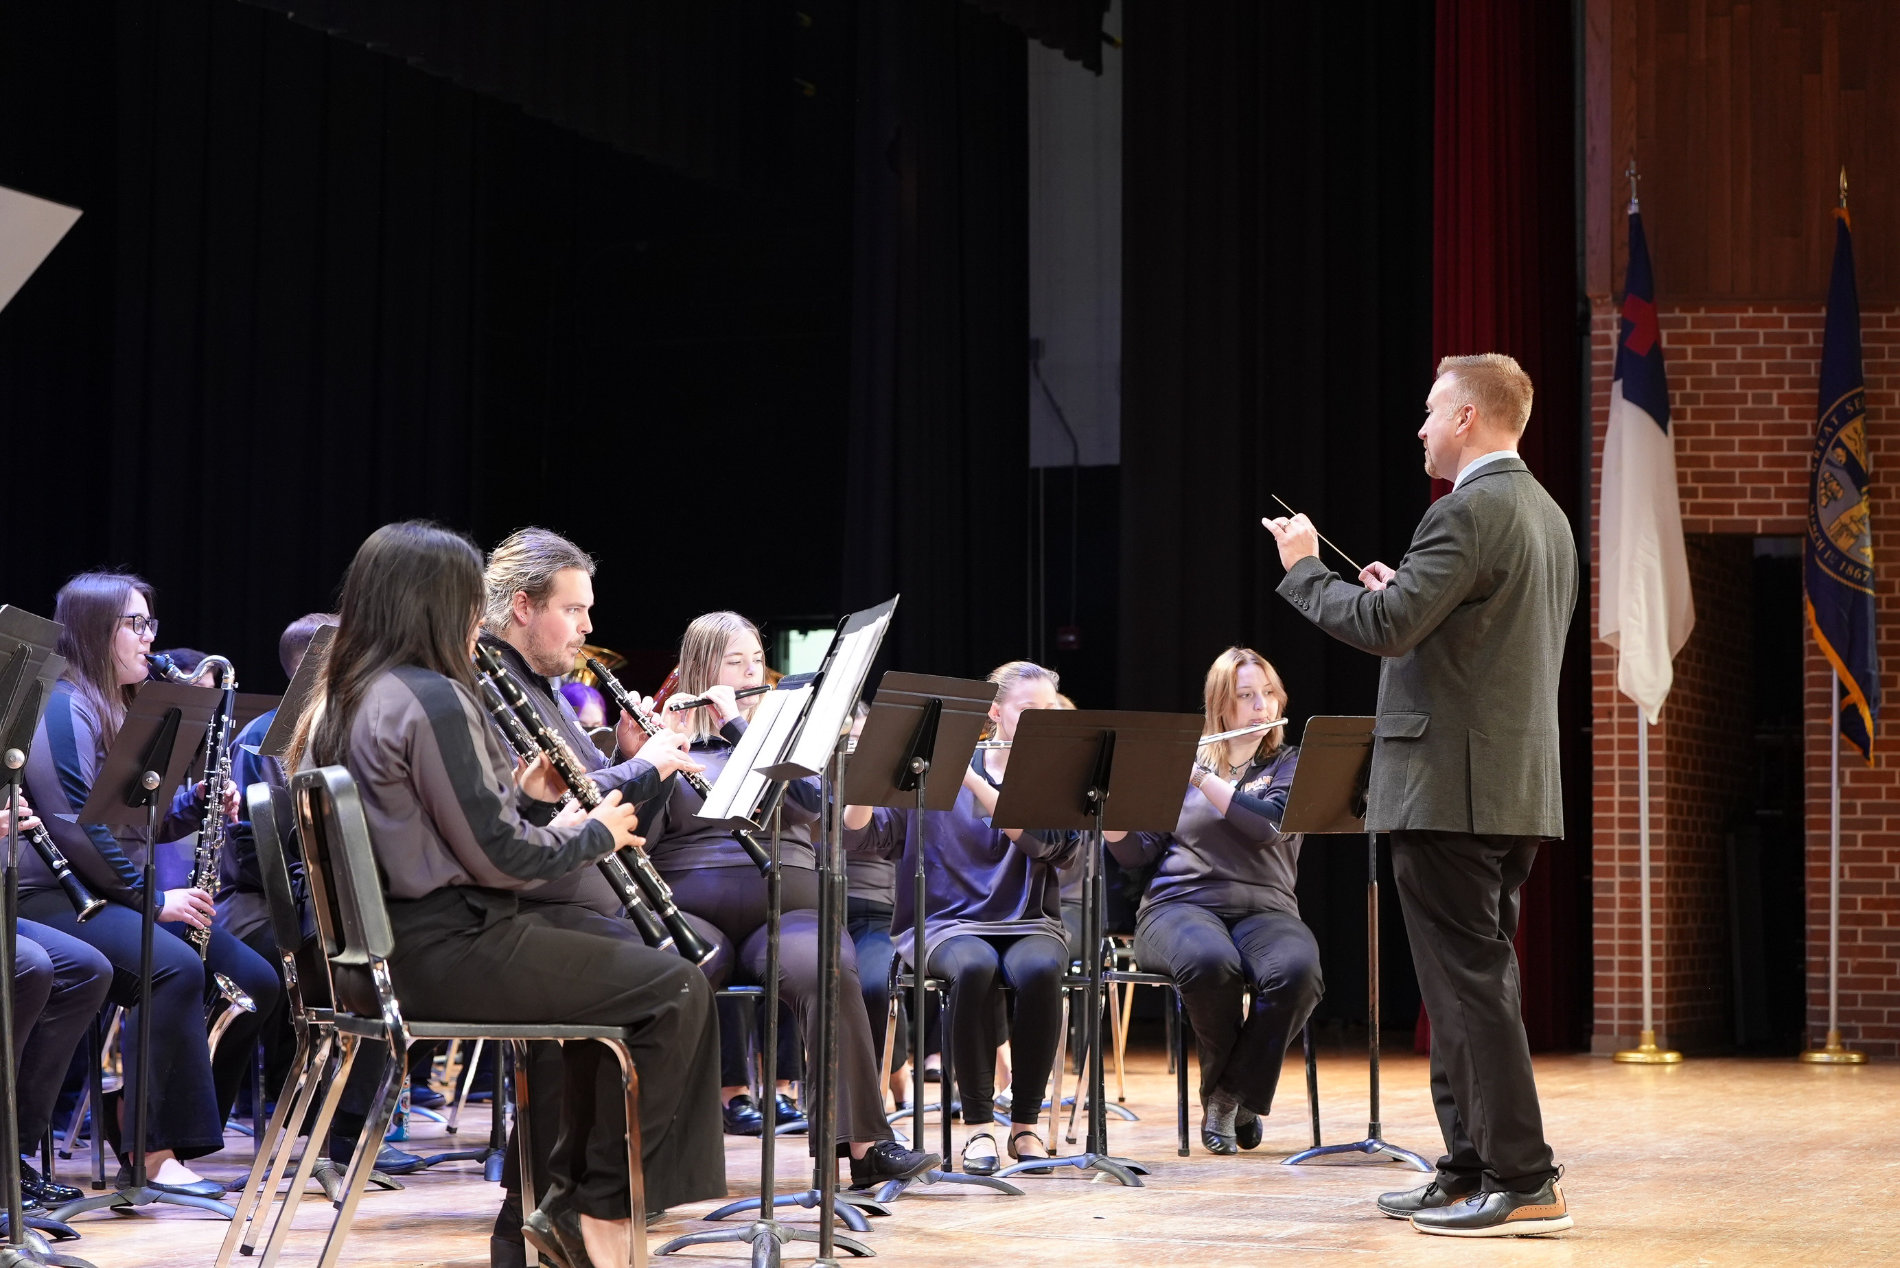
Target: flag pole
(1835, 1053)
(1645, 1052)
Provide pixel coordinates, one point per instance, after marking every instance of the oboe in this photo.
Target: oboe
(645, 885)
(653, 726)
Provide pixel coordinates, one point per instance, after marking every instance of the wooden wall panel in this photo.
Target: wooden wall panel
(1739, 114)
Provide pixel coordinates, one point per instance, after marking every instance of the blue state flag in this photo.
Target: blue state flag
(1840, 552)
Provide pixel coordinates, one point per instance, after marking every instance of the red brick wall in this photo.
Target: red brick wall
(1743, 381)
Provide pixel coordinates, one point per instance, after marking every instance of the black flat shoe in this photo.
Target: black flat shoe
(200, 1189)
(1218, 1144)
(422, 1096)
(888, 1160)
(48, 1193)
(742, 1117)
(557, 1238)
(791, 1120)
(1249, 1131)
(979, 1155)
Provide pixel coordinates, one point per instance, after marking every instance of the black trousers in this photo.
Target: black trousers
(59, 986)
(977, 967)
(732, 901)
(869, 924)
(472, 955)
(192, 1098)
(1216, 961)
(1459, 892)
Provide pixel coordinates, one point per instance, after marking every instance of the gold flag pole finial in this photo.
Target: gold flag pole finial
(1630, 172)
(1843, 185)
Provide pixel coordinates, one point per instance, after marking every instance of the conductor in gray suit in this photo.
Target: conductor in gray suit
(1471, 628)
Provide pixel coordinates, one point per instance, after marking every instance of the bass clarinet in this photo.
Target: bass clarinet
(641, 890)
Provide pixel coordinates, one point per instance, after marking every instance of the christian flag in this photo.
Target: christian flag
(1646, 609)
(1840, 554)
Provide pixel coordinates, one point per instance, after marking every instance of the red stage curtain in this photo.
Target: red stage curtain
(1504, 279)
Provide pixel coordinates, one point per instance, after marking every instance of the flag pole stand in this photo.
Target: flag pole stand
(1834, 1052)
(1646, 1051)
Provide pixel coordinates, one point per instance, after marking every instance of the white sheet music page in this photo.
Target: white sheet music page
(29, 230)
(740, 787)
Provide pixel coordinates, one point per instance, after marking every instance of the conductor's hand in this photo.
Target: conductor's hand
(1297, 538)
(668, 753)
(540, 780)
(192, 906)
(620, 819)
(1377, 576)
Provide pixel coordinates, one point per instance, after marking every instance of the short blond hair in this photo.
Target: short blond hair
(1496, 384)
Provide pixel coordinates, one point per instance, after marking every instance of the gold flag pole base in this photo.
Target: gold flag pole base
(1835, 1053)
(1647, 1053)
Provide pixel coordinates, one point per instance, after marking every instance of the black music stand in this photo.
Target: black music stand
(1329, 797)
(1063, 767)
(163, 728)
(799, 735)
(28, 669)
(920, 723)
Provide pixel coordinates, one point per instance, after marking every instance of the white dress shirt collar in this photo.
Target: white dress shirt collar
(1471, 468)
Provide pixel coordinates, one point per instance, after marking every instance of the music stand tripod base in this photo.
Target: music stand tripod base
(1647, 1053)
(1122, 1171)
(1835, 1053)
(765, 1238)
(1372, 1147)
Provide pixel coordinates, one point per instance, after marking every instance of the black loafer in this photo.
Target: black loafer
(1249, 1129)
(48, 1193)
(422, 1096)
(1403, 1204)
(742, 1117)
(556, 1237)
(791, 1120)
(888, 1160)
(1500, 1214)
(1218, 1144)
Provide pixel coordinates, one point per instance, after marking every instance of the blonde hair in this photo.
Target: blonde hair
(1496, 384)
(1013, 674)
(702, 649)
(527, 561)
(1221, 692)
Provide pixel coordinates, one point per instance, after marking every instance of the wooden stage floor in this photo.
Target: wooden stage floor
(1719, 1161)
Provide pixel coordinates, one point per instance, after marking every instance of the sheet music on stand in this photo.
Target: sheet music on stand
(741, 786)
(283, 727)
(846, 667)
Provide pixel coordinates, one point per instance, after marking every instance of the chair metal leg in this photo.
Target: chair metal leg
(1312, 1076)
(368, 1145)
(467, 1081)
(306, 1165)
(273, 1145)
(1118, 1027)
(1177, 1057)
(636, 1175)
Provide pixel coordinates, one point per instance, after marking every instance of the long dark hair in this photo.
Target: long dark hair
(89, 607)
(411, 596)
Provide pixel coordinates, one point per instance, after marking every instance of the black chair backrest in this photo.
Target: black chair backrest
(271, 821)
(345, 889)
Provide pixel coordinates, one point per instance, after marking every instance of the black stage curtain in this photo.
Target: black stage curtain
(705, 86)
(939, 456)
(1072, 26)
(316, 289)
(1277, 339)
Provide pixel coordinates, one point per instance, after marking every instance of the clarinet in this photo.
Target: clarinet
(86, 904)
(648, 890)
(205, 861)
(653, 726)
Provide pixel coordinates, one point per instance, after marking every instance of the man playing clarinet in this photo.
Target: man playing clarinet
(1465, 776)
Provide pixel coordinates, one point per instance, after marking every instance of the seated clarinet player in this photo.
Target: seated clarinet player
(457, 846)
(108, 630)
(870, 902)
(538, 599)
(714, 878)
(993, 919)
(1220, 916)
(59, 986)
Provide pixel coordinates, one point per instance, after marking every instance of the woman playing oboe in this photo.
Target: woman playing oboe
(993, 919)
(1220, 916)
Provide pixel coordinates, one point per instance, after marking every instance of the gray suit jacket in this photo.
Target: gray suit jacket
(1472, 631)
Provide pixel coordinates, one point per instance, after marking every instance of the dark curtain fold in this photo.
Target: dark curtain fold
(1072, 27)
(1276, 339)
(938, 456)
(710, 87)
(1504, 264)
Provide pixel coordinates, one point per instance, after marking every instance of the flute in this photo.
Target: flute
(1218, 736)
(759, 855)
(699, 702)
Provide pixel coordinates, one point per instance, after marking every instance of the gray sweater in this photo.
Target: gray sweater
(1232, 864)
